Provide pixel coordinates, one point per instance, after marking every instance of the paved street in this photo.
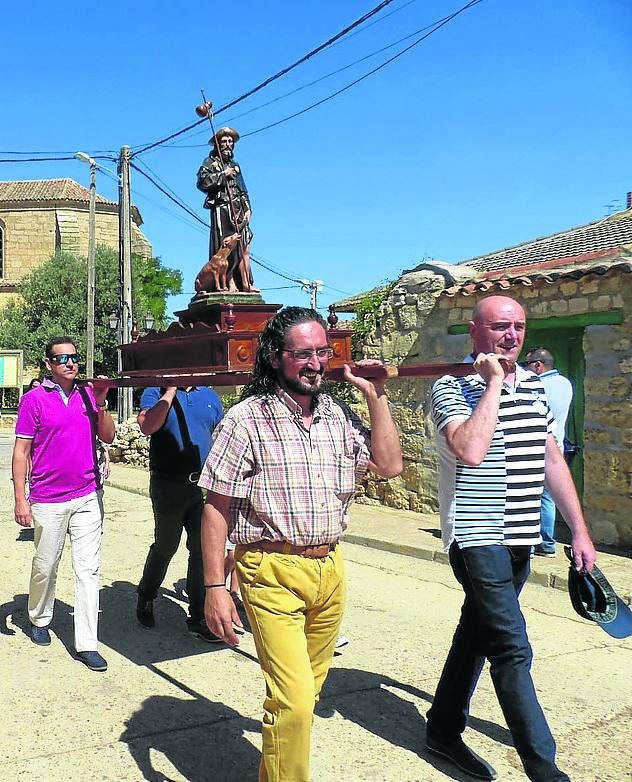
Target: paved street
(173, 709)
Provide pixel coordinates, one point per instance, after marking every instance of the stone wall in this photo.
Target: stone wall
(31, 236)
(413, 327)
(130, 445)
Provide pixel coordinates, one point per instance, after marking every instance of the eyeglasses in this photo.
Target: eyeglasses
(533, 361)
(324, 354)
(64, 358)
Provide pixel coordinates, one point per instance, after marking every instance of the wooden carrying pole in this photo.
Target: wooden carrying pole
(199, 377)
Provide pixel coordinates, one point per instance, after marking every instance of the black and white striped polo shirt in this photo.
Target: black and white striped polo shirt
(497, 502)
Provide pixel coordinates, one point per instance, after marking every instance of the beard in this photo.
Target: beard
(303, 385)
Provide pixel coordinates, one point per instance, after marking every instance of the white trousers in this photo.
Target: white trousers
(83, 518)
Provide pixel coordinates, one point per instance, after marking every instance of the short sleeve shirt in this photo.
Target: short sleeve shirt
(63, 433)
(287, 482)
(498, 501)
(181, 445)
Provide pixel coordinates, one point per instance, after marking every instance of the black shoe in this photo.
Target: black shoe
(145, 612)
(462, 756)
(198, 629)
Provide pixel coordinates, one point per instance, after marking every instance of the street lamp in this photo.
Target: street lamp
(91, 261)
(148, 322)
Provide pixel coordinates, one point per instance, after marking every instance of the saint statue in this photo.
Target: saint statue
(221, 179)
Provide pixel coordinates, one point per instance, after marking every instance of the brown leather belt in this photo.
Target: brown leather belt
(282, 547)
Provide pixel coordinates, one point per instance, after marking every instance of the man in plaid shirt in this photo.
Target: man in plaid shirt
(280, 477)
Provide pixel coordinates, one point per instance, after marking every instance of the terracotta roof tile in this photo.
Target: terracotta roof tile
(504, 281)
(47, 190)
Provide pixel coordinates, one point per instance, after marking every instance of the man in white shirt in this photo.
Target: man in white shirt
(559, 393)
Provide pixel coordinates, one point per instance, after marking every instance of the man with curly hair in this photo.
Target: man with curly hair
(280, 477)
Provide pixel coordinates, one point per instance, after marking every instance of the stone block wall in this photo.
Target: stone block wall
(31, 236)
(29, 240)
(413, 327)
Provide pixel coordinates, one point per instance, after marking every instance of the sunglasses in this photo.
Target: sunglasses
(64, 358)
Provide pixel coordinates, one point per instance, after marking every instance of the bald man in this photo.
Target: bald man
(494, 430)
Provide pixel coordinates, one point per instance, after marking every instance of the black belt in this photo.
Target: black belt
(192, 477)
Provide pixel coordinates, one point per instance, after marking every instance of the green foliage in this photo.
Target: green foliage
(228, 400)
(54, 303)
(366, 312)
(345, 392)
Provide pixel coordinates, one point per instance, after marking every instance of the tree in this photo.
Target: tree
(53, 303)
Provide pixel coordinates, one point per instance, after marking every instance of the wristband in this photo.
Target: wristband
(214, 586)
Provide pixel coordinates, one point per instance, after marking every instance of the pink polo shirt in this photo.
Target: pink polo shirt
(63, 431)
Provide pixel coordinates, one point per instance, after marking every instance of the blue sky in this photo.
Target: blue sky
(510, 122)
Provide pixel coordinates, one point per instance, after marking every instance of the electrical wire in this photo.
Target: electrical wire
(433, 27)
(272, 78)
(364, 76)
(175, 200)
(55, 152)
(337, 71)
(34, 159)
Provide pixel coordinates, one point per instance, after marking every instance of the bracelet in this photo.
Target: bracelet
(104, 406)
(215, 586)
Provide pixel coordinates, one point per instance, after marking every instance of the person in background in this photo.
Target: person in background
(180, 424)
(559, 394)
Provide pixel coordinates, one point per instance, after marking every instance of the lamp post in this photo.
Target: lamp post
(91, 261)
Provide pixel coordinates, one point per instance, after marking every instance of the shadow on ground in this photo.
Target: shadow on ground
(374, 702)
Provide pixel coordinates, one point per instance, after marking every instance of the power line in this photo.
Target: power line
(272, 78)
(273, 271)
(364, 76)
(175, 200)
(340, 70)
(54, 152)
(34, 159)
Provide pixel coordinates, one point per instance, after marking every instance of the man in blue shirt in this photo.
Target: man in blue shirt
(559, 393)
(180, 424)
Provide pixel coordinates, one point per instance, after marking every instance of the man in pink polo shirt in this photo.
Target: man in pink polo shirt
(56, 432)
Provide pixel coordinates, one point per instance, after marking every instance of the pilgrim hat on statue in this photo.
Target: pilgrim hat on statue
(593, 598)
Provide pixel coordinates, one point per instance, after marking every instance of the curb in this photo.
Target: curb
(551, 580)
(130, 489)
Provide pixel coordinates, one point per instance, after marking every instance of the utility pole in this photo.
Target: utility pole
(312, 287)
(125, 274)
(91, 270)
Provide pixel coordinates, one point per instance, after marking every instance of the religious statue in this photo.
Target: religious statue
(220, 177)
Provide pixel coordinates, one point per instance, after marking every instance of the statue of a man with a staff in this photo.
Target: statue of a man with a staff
(221, 179)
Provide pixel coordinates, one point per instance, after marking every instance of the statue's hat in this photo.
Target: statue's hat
(214, 140)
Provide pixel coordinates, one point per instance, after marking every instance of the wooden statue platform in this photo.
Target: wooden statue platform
(214, 335)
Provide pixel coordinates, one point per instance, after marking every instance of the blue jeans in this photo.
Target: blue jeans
(547, 523)
(492, 626)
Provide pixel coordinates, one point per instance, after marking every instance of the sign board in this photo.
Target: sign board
(11, 364)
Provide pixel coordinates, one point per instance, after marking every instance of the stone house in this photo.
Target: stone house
(576, 289)
(38, 217)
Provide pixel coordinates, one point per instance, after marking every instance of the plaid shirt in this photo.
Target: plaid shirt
(287, 482)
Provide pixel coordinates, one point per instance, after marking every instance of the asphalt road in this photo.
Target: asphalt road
(173, 709)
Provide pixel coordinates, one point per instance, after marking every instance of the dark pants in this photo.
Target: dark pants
(492, 626)
(177, 505)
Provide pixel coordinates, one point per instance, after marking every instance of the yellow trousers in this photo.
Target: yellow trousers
(295, 607)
